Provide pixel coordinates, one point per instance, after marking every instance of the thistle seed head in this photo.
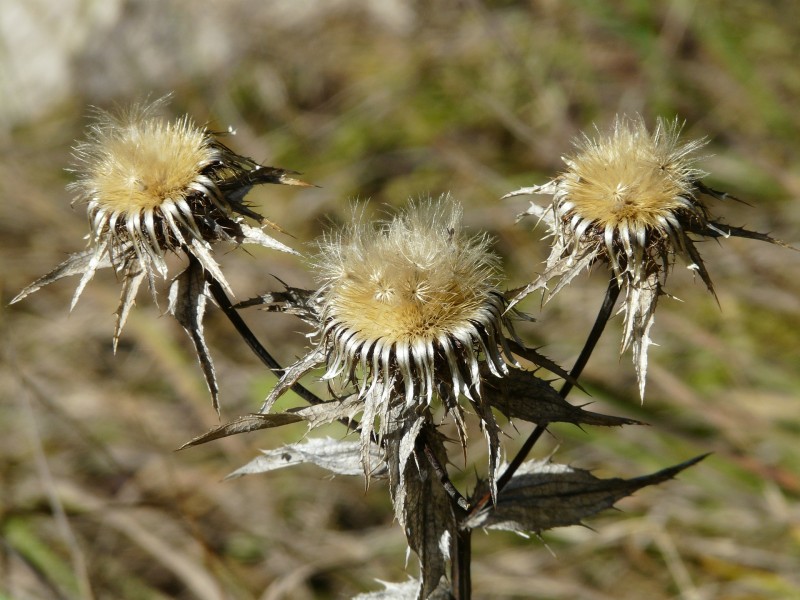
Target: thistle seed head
(136, 162)
(631, 199)
(630, 195)
(153, 186)
(411, 302)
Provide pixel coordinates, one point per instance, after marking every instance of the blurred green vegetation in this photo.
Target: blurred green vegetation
(385, 101)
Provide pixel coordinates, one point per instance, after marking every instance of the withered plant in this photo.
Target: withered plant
(410, 325)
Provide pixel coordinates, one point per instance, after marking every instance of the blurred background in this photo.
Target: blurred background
(385, 101)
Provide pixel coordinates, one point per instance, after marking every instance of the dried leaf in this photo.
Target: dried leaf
(291, 375)
(547, 189)
(421, 504)
(543, 495)
(76, 264)
(562, 262)
(393, 591)
(133, 278)
(491, 431)
(245, 424)
(522, 395)
(336, 456)
(256, 174)
(187, 303)
(344, 409)
(255, 235)
(641, 298)
(295, 301)
(316, 415)
(410, 590)
(532, 355)
(716, 229)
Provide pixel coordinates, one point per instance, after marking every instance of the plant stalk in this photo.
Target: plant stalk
(460, 566)
(251, 340)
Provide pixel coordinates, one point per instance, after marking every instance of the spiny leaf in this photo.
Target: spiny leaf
(543, 495)
(522, 395)
(134, 275)
(337, 456)
(319, 414)
(410, 590)
(295, 301)
(421, 504)
(255, 235)
(716, 229)
(344, 409)
(291, 375)
(540, 360)
(187, 303)
(640, 308)
(245, 424)
(76, 264)
(393, 591)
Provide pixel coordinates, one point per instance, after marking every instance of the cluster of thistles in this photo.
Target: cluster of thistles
(411, 323)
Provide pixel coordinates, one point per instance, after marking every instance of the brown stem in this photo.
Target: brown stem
(460, 572)
(250, 339)
(604, 314)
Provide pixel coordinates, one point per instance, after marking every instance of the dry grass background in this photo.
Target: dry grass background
(386, 100)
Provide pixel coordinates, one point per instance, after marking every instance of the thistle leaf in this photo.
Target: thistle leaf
(291, 376)
(641, 298)
(76, 264)
(294, 301)
(543, 495)
(319, 414)
(134, 276)
(548, 188)
(540, 360)
(522, 395)
(344, 409)
(716, 229)
(245, 424)
(255, 235)
(393, 591)
(421, 504)
(336, 456)
(187, 303)
(410, 590)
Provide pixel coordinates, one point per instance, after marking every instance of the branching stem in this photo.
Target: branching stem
(222, 300)
(604, 314)
(462, 540)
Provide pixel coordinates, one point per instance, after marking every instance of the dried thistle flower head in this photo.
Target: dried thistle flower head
(407, 309)
(630, 193)
(154, 186)
(629, 198)
(412, 303)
